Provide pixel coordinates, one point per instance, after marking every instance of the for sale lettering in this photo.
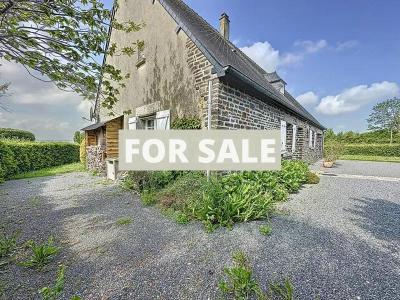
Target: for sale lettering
(199, 150)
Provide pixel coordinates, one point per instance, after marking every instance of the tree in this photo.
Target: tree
(385, 115)
(64, 41)
(78, 137)
(3, 91)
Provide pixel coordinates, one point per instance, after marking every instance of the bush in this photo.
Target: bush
(312, 178)
(16, 134)
(370, 137)
(19, 157)
(82, 152)
(332, 151)
(372, 150)
(186, 123)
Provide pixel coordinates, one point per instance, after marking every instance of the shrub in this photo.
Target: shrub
(19, 157)
(186, 123)
(16, 134)
(82, 152)
(149, 181)
(332, 151)
(312, 178)
(372, 150)
(293, 174)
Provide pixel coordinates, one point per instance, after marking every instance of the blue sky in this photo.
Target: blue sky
(338, 57)
(355, 44)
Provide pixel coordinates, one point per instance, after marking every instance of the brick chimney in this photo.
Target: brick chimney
(224, 25)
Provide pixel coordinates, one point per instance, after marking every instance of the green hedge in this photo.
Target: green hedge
(18, 157)
(372, 149)
(16, 134)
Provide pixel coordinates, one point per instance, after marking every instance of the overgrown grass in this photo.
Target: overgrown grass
(239, 283)
(371, 158)
(42, 254)
(74, 167)
(222, 201)
(53, 292)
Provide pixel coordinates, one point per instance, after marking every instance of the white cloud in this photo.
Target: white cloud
(346, 45)
(309, 98)
(264, 55)
(353, 98)
(311, 46)
(270, 59)
(51, 114)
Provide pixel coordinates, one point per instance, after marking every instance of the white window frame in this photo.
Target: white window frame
(133, 123)
(294, 137)
(283, 136)
(163, 120)
(310, 138)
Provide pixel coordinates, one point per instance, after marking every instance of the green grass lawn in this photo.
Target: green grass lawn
(371, 158)
(75, 167)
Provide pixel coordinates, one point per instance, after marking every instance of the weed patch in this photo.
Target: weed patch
(53, 292)
(42, 254)
(7, 244)
(265, 229)
(124, 221)
(239, 283)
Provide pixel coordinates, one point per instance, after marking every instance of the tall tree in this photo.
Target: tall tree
(64, 41)
(385, 115)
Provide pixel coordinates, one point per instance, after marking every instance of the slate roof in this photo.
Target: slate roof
(273, 77)
(227, 59)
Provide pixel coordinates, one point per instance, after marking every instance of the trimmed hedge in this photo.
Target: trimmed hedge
(18, 157)
(372, 149)
(16, 134)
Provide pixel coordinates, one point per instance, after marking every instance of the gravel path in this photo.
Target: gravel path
(339, 240)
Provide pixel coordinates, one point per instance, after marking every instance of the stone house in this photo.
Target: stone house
(183, 62)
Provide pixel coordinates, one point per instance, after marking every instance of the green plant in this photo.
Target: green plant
(239, 283)
(3, 287)
(265, 229)
(18, 157)
(53, 292)
(284, 291)
(41, 254)
(148, 198)
(7, 244)
(124, 221)
(312, 178)
(332, 151)
(372, 149)
(16, 134)
(186, 123)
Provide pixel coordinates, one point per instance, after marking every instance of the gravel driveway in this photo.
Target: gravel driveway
(339, 240)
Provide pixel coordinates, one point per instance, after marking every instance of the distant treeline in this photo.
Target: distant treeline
(370, 137)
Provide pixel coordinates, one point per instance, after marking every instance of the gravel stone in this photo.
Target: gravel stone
(339, 239)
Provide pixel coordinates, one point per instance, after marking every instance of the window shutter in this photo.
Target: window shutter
(133, 123)
(310, 138)
(294, 138)
(163, 120)
(315, 139)
(283, 136)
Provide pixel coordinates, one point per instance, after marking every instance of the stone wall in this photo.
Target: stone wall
(96, 158)
(238, 110)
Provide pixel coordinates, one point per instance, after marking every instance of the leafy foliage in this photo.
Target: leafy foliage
(41, 254)
(225, 200)
(385, 115)
(18, 157)
(16, 134)
(392, 150)
(7, 244)
(369, 137)
(53, 292)
(62, 40)
(240, 284)
(186, 123)
(79, 137)
(332, 151)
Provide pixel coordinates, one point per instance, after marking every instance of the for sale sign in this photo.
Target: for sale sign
(199, 150)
